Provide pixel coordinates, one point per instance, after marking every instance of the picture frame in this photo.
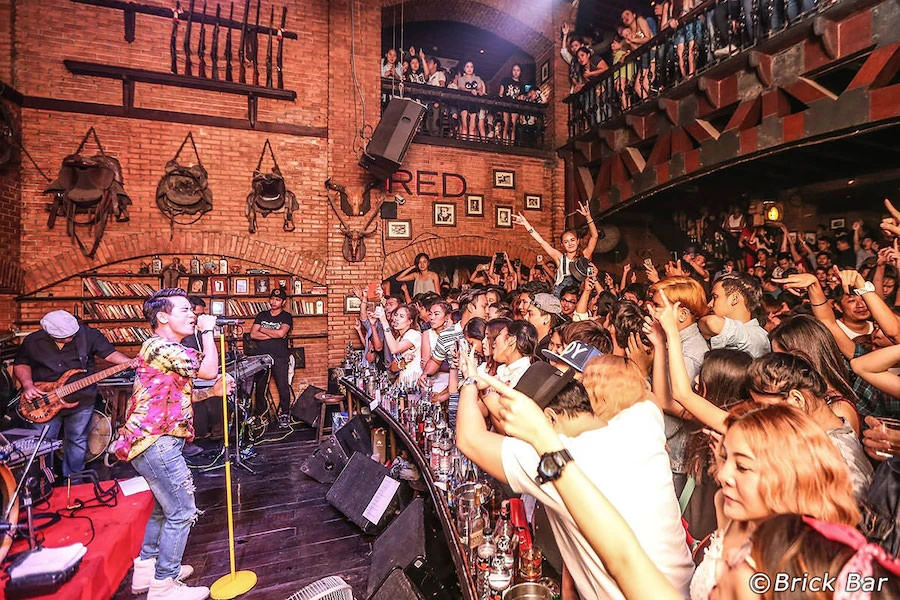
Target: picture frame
(504, 179)
(398, 229)
(261, 286)
(533, 201)
(196, 286)
(218, 286)
(283, 282)
(240, 286)
(299, 355)
(352, 304)
(474, 205)
(837, 224)
(297, 286)
(217, 307)
(544, 72)
(443, 214)
(504, 217)
(809, 237)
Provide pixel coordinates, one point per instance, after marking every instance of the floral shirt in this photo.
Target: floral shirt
(161, 401)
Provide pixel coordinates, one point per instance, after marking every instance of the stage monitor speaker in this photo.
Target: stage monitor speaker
(391, 138)
(306, 408)
(355, 437)
(400, 544)
(354, 491)
(396, 586)
(326, 462)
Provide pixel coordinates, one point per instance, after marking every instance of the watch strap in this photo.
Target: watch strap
(560, 459)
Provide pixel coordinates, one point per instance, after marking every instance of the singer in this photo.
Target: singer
(159, 419)
(270, 330)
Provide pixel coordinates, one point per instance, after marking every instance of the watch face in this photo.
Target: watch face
(547, 467)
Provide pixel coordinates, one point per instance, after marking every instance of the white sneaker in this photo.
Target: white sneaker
(144, 571)
(170, 589)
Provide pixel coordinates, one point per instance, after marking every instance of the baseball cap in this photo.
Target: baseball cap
(60, 324)
(576, 355)
(542, 382)
(547, 303)
(278, 293)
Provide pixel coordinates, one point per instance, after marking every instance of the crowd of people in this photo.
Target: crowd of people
(649, 53)
(729, 409)
(471, 121)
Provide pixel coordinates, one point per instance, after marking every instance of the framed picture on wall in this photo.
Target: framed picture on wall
(196, 286)
(836, 224)
(504, 179)
(532, 202)
(217, 307)
(444, 214)
(352, 304)
(241, 285)
(398, 229)
(283, 283)
(218, 286)
(474, 205)
(809, 237)
(261, 285)
(298, 286)
(299, 355)
(545, 72)
(504, 217)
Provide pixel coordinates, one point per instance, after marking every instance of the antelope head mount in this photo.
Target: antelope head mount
(354, 247)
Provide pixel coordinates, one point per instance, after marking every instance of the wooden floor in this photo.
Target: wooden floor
(285, 531)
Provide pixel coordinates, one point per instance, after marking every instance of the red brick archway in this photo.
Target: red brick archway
(463, 245)
(119, 247)
(500, 23)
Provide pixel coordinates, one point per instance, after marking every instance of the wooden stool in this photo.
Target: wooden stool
(327, 400)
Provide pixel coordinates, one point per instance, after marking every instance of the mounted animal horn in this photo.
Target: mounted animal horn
(89, 186)
(270, 194)
(354, 247)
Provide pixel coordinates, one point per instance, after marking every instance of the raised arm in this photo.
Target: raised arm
(881, 312)
(873, 367)
(407, 274)
(394, 345)
(556, 255)
(821, 310)
(594, 234)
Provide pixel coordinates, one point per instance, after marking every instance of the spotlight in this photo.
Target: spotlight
(851, 181)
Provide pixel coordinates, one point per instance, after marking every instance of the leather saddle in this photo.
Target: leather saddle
(269, 194)
(184, 190)
(87, 191)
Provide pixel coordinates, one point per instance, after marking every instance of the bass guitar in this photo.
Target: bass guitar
(52, 399)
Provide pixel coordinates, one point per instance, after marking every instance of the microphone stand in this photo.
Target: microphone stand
(238, 417)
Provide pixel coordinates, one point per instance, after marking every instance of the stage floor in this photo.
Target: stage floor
(285, 531)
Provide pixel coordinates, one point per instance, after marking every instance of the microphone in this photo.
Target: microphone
(222, 321)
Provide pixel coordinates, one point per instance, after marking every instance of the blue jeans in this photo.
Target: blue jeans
(174, 511)
(74, 425)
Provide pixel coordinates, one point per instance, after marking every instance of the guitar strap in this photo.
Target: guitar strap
(81, 346)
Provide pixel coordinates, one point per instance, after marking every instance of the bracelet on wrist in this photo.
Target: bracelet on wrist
(530, 230)
(820, 303)
(205, 331)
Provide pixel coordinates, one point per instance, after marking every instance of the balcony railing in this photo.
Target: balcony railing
(444, 108)
(714, 31)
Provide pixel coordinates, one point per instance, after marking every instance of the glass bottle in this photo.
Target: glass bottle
(195, 265)
(505, 537)
(156, 264)
(499, 577)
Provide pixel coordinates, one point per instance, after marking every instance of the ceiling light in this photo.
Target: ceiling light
(851, 181)
(481, 51)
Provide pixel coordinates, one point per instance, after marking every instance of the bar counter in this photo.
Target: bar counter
(359, 401)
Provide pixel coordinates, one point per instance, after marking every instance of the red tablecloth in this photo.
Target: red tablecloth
(118, 530)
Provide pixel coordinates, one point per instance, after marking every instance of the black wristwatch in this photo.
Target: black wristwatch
(551, 465)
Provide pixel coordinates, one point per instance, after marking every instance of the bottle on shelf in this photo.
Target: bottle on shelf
(223, 266)
(195, 266)
(156, 265)
(505, 537)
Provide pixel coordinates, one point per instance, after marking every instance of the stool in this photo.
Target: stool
(327, 400)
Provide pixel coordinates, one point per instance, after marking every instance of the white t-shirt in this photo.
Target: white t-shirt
(511, 374)
(413, 357)
(437, 78)
(628, 463)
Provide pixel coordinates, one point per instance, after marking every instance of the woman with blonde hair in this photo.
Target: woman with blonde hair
(613, 384)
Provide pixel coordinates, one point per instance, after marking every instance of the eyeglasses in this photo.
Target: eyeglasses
(564, 301)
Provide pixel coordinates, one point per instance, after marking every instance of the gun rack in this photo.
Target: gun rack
(129, 76)
(132, 8)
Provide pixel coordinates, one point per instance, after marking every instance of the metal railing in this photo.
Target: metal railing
(444, 111)
(709, 34)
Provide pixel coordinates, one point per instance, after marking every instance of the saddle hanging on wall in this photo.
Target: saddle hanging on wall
(86, 192)
(184, 190)
(270, 194)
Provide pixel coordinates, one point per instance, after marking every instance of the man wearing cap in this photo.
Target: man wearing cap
(544, 313)
(44, 356)
(574, 357)
(270, 330)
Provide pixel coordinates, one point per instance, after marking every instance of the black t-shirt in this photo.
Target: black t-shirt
(48, 362)
(512, 88)
(276, 348)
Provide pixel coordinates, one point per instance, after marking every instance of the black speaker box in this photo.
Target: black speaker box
(400, 544)
(326, 462)
(355, 437)
(388, 210)
(396, 586)
(354, 489)
(306, 408)
(391, 138)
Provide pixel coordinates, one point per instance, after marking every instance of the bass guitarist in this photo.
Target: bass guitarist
(44, 356)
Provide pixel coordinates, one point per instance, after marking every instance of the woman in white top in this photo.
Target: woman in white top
(405, 342)
(569, 254)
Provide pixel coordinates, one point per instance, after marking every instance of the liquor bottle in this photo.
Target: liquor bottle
(505, 537)
(156, 265)
(195, 266)
(500, 576)
(223, 266)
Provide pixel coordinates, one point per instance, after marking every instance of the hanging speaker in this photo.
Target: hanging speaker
(391, 138)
